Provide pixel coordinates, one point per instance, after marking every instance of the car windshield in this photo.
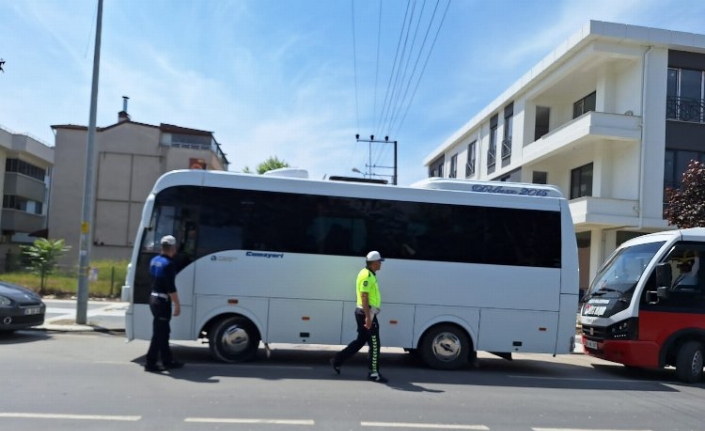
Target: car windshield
(623, 269)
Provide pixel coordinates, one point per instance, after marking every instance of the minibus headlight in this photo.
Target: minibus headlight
(624, 330)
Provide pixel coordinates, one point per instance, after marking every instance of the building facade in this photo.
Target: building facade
(26, 165)
(130, 156)
(612, 117)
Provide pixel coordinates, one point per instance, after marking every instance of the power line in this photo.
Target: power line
(418, 57)
(357, 109)
(379, 38)
(396, 55)
(424, 67)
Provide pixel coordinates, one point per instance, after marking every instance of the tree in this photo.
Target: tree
(43, 255)
(686, 206)
(270, 164)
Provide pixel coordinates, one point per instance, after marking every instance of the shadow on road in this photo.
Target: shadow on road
(20, 337)
(406, 373)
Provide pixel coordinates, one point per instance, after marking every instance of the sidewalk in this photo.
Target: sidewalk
(101, 316)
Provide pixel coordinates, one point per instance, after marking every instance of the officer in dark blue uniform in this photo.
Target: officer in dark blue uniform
(163, 271)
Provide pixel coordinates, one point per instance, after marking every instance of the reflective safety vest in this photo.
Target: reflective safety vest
(367, 283)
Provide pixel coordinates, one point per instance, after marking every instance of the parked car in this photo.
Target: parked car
(19, 308)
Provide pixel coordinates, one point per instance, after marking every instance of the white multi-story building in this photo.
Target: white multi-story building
(612, 117)
(25, 165)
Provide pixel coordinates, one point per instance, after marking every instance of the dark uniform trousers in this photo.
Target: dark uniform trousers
(159, 346)
(364, 336)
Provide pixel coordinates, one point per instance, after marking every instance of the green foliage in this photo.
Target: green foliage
(271, 163)
(43, 255)
(64, 281)
(686, 206)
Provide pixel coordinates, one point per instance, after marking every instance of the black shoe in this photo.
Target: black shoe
(336, 368)
(174, 365)
(153, 368)
(377, 377)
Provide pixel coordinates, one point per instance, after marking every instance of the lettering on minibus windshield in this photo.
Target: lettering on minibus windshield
(526, 191)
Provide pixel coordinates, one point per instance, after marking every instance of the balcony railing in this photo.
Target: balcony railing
(506, 148)
(491, 156)
(685, 109)
(470, 168)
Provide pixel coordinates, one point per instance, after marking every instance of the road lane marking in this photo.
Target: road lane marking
(69, 416)
(580, 380)
(423, 425)
(579, 429)
(253, 421)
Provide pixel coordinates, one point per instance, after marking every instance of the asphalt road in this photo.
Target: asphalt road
(89, 381)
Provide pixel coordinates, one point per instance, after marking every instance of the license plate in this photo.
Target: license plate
(591, 344)
(35, 310)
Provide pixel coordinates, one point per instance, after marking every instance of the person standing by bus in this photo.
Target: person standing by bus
(368, 306)
(163, 271)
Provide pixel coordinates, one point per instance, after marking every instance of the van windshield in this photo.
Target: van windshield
(621, 272)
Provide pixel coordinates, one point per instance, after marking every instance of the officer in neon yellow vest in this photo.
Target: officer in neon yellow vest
(368, 306)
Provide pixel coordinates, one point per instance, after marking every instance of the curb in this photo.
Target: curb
(77, 328)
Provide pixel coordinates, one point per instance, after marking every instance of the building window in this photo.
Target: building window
(470, 165)
(685, 95)
(453, 167)
(543, 114)
(492, 148)
(539, 177)
(581, 181)
(21, 204)
(24, 168)
(586, 104)
(675, 164)
(508, 126)
(436, 168)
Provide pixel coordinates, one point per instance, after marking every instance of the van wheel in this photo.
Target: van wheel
(689, 362)
(234, 339)
(445, 347)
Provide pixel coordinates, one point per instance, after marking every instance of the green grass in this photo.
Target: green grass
(63, 282)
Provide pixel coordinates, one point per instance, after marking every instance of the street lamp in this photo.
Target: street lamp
(356, 170)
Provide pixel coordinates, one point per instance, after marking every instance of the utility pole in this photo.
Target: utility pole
(386, 141)
(88, 186)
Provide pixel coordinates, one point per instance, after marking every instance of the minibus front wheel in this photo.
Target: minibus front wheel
(234, 339)
(689, 362)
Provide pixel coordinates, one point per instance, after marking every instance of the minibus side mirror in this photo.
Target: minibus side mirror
(664, 277)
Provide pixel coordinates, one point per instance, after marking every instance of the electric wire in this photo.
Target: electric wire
(357, 109)
(401, 61)
(391, 75)
(379, 38)
(399, 100)
(416, 63)
(423, 69)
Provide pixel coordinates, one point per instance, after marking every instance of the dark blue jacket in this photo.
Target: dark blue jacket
(163, 273)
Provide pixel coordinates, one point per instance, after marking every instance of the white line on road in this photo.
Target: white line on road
(422, 425)
(579, 429)
(65, 416)
(579, 379)
(252, 421)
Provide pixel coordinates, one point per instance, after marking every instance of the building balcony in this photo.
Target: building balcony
(589, 128)
(592, 212)
(27, 187)
(21, 221)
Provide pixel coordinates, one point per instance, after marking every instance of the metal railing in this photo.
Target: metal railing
(506, 148)
(491, 156)
(685, 109)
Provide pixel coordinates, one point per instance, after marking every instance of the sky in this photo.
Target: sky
(294, 79)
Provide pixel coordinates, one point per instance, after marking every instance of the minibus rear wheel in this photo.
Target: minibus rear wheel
(234, 339)
(445, 347)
